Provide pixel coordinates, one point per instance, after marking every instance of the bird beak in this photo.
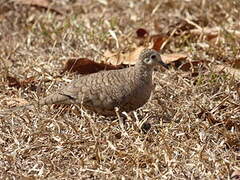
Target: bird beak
(163, 64)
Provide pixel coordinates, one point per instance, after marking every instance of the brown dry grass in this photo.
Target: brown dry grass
(194, 119)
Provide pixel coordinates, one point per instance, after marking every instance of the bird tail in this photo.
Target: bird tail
(57, 98)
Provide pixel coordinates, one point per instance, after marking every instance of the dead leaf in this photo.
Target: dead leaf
(181, 26)
(6, 62)
(234, 72)
(236, 174)
(13, 82)
(209, 33)
(142, 37)
(158, 41)
(230, 123)
(192, 65)
(170, 58)
(236, 64)
(232, 141)
(130, 58)
(13, 102)
(142, 33)
(212, 34)
(28, 82)
(44, 4)
(207, 115)
(211, 119)
(86, 66)
(125, 58)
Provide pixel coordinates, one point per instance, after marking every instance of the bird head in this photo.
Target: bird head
(151, 57)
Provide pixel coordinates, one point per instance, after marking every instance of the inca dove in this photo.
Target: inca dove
(128, 89)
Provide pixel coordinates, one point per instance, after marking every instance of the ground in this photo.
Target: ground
(190, 129)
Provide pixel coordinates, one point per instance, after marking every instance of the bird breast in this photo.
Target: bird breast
(138, 97)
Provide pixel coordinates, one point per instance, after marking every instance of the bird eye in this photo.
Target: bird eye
(153, 56)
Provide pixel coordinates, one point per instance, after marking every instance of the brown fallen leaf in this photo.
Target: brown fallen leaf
(207, 115)
(6, 62)
(142, 33)
(44, 4)
(158, 41)
(170, 58)
(114, 60)
(210, 34)
(180, 27)
(12, 102)
(86, 66)
(125, 58)
(236, 174)
(230, 123)
(130, 58)
(236, 64)
(28, 82)
(213, 34)
(232, 141)
(191, 65)
(234, 72)
(13, 82)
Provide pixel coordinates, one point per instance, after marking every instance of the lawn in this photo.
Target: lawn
(189, 129)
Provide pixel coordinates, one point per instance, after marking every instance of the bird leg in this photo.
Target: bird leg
(121, 120)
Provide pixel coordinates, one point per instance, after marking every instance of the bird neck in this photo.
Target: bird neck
(144, 73)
